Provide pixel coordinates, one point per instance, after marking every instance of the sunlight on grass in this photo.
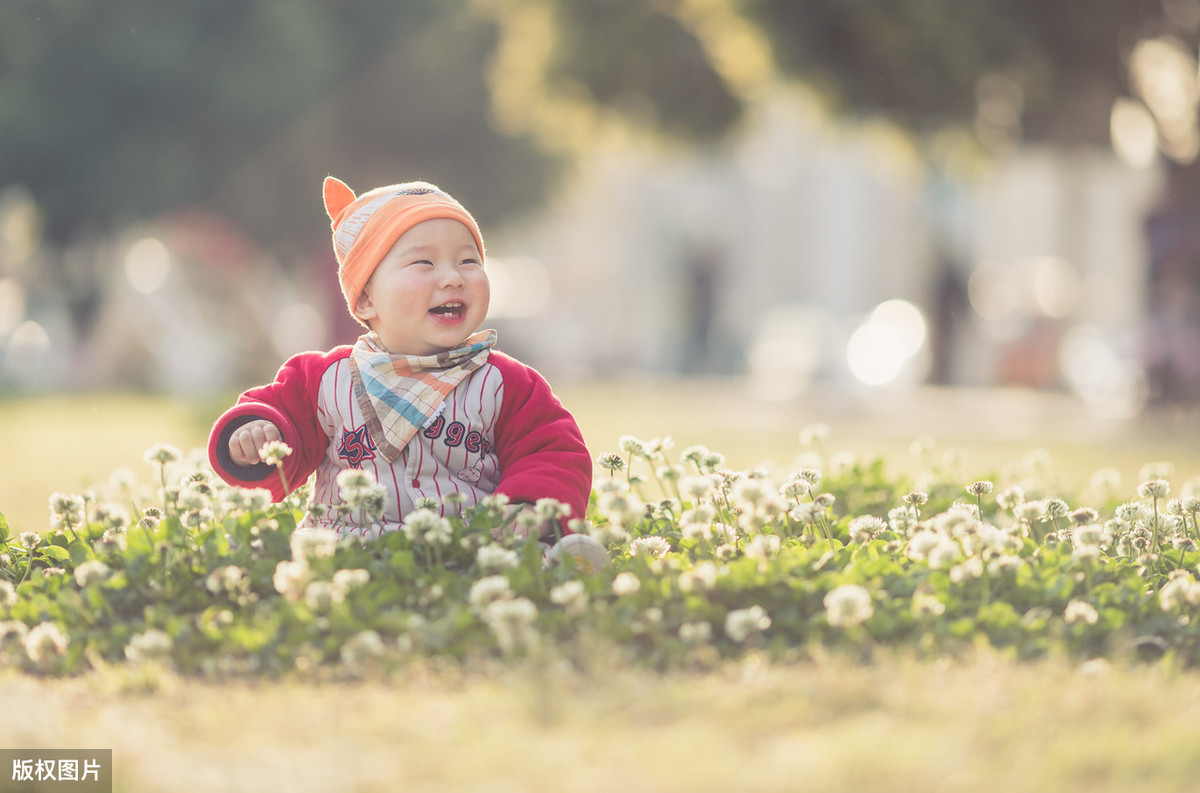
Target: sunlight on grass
(982, 724)
(71, 443)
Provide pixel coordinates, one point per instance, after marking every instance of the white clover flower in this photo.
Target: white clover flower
(12, 634)
(610, 534)
(1029, 511)
(361, 647)
(571, 595)
(1154, 488)
(943, 553)
(749, 492)
(921, 446)
(903, 518)
(611, 462)
(123, 479)
(255, 499)
(700, 515)
(440, 532)
(864, 528)
(1132, 512)
(8, 594)
(695, 632)
(1010, 498)
(511, 622)
(93, 571)
(762, 546)
(151, 643)
(1005, 563)
(354, 479)
(1092, 534)
(813, 434)
(66, 509)
(274, 452)
(696, 488)
(1162, 469)
(228, 578)
(806, 514)
(323, 595)
(350, 579)
(842, 462)
(30, 540)
(925, 604)
(626, 584)
(632, 446)
(621, 507)
(45, 643)
(313, 543)
(704, 574)
(290, 579)
(980, 488)
(653, 547)
(970, 568)
(549, 509)
(162, 454)
(1054, 508)
(493, 558)
(847, 605)
(487, 590)
(112, 516)
(1081, 611)
(741, 624)
(1179, 590)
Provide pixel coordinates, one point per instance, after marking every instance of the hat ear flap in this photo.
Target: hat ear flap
(337, 195)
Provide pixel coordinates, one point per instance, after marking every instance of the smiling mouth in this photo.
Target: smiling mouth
(453, 310)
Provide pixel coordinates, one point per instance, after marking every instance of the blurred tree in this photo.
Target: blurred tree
(123, 109)
(118, 110)
(929, 63)
(1017, 69)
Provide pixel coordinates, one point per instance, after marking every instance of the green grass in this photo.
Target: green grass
(980, 723)
(69, 443)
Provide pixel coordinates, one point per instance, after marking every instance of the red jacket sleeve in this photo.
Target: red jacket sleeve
(540, 447)
(290, 403)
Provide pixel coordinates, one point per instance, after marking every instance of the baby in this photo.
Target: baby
(423, 401)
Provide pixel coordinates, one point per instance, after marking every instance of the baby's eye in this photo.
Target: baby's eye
(424, 262)
(465, 262)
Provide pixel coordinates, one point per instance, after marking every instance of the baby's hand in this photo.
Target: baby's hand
(248, 439)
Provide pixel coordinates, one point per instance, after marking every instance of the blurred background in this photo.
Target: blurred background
(850, 201)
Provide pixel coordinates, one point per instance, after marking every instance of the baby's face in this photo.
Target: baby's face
(429, 292)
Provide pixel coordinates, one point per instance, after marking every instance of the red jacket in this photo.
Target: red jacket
(501, 430)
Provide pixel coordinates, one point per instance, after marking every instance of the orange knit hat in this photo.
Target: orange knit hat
(366, 227)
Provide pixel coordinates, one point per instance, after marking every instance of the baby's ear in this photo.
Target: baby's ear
(338, 196)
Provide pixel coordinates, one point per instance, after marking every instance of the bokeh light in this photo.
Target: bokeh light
(298, 327)
(1133, 133)
(884, 346)
(787, 350)
(1094, 369)
(520, 287)
(12, 305)
(1163, 73)
(147, 265)
(1036, 286)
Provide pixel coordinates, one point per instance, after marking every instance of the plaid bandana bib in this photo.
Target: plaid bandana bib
(399, 394)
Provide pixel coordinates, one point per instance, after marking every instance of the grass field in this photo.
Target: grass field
(981, 723)
(69, 443)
